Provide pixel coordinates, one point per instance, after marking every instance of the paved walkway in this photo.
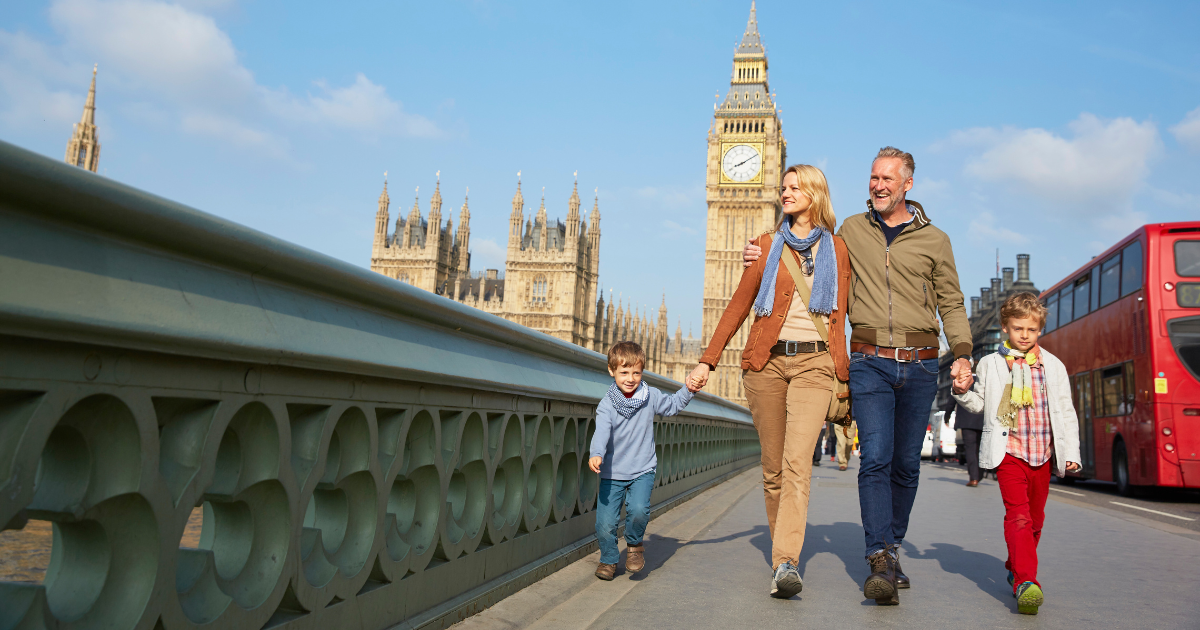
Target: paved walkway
(708, 567)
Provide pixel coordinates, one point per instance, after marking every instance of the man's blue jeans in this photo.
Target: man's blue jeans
(891, 401)
(635, 494)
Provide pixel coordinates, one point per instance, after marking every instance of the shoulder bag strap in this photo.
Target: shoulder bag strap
(789, 261)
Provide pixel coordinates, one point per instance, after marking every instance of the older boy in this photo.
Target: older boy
(623, 453)
(1024, 394)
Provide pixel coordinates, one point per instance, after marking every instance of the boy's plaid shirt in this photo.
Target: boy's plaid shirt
(1031, 440)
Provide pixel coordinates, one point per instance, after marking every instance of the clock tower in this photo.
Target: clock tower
(746, 153)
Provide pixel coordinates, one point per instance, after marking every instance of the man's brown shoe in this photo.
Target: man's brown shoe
(606, 571)
(635, 558)
(881, 585)
(842, 467)
(972, 483)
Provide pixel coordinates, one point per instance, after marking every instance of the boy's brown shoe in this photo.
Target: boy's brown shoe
(606, 571)
(635, 558)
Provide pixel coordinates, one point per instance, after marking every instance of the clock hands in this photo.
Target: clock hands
(744, 161)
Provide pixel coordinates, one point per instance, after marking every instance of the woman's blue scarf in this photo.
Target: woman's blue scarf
(824, 291)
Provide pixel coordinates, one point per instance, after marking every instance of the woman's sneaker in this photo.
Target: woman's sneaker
(1029, 598)
(786, 581)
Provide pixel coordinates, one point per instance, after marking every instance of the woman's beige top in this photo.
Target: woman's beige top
(798, 326)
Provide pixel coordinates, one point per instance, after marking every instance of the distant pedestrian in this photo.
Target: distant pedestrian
(845, 443)
(1024, 394)
(796, 348)
(622, 451)
(819, 448)
(971, 425)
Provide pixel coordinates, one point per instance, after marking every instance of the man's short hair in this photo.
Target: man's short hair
(1021, 306)
(910, 165)
(626, 353)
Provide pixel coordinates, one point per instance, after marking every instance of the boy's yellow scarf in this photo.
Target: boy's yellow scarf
(1018, 393)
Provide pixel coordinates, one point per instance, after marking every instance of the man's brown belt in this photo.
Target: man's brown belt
(904, 355)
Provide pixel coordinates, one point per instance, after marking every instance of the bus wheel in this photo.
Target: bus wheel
(1121, 470)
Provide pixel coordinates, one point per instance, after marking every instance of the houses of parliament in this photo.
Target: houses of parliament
(550, 280)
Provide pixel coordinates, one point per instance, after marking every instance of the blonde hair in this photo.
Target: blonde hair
(813, 185)
(910, 164)
(1021, 306)
(626, 353)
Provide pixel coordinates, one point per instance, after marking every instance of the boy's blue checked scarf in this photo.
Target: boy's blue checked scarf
(628, 406)
(824, 291)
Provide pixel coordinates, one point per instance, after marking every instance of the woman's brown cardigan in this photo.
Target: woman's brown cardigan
(764, 333)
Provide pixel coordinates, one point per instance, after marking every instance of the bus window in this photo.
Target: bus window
(1112, 391)
(1110, 280)
(1130, 388)
(1066, 299)
(1097, 399)
(1095, 303)
(1082, 296)
(1131, 268)
(1187, 259)
(1052, 312)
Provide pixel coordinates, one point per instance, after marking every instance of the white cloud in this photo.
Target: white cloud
(28, 68)
(361, 106)
(1187, 132)
(984, 231)
(672, 197)
(674, 229)
(1102, 165)
(177, 61)
(487, 254)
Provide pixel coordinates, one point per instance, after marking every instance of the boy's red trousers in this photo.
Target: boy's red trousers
(1024, 489)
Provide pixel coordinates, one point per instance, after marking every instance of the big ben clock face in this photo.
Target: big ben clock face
(741, 162)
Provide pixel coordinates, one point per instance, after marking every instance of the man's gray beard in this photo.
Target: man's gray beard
(891, 205)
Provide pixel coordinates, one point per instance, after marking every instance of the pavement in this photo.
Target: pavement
(1102, 565)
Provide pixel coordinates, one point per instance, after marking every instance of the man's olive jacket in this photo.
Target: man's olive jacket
(897, 291)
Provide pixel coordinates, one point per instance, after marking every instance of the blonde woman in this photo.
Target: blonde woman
(787, 370)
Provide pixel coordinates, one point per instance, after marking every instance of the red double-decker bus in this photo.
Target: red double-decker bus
(1127, 327)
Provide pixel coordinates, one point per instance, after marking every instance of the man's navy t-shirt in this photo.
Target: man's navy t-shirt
(889, 232)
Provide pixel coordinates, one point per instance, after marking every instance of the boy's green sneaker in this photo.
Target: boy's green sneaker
(1029, 597)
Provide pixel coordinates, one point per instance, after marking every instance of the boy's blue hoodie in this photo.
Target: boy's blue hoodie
(627, 444)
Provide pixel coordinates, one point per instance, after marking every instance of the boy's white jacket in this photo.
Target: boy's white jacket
(984, 397)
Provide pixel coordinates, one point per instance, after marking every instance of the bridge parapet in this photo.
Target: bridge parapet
(230, 431)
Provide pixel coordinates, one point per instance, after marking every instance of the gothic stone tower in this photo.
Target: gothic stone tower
(83, 149)
(552, 269)
(746, 153)
(421, 252)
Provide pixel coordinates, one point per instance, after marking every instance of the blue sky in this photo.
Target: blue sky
(1045, 128)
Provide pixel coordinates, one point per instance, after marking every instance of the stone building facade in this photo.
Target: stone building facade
(83, 149)
(550, 280)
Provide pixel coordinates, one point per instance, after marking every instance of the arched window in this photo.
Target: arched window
(540, 290)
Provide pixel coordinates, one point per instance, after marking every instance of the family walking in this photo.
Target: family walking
(890, 274)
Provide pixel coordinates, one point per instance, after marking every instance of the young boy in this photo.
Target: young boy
(623, 453)
(1024, 394)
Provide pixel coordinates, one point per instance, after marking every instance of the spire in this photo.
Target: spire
(89, 108)
(751, 42)
(435, 202)
(518, 202)
(381, 215)
(83, 149)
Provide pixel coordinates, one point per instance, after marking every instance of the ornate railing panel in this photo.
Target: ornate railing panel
(229, 431)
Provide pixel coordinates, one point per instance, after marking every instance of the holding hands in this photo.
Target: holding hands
(698, 378)
(961, 373)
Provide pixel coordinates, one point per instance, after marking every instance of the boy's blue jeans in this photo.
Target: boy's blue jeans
(635, 494)
(891, 402)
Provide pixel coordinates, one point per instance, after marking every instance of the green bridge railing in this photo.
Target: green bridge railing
(225, 430)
